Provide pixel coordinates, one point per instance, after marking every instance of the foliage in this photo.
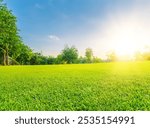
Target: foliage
(9, 37)
(89, 55)
(96, 60)
(51, 60)
(24, 55)
(81, 60)
(69, 55)
(59, 59)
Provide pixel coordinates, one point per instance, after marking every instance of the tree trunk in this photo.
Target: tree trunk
(4, 58)
(7, 57)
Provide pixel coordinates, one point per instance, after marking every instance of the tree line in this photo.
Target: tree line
(14, 52)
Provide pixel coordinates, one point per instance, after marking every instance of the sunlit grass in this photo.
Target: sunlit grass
(104, 86)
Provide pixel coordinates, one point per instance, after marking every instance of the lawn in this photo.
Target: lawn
(104, 86)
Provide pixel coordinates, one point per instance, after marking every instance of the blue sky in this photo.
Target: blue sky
(47, 25)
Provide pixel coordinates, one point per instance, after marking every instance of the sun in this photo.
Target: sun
(128, 39)
(125, 46)
(123, 35)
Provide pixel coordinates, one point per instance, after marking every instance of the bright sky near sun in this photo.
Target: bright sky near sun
(103, 25)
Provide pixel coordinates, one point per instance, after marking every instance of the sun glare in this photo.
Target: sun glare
(128, 38)
(124, 49)
(125, 45)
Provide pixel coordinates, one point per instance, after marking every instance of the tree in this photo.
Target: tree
(51, 60)
(38, 59)
(9, 36)
(69, 55)
(96, 60)
(24, 55)
(89, 55)
(111, 56)
(59, 59)
(81, 60)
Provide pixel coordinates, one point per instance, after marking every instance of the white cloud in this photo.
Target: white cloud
(54, 37)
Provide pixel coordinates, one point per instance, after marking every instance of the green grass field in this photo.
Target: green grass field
(105, 86)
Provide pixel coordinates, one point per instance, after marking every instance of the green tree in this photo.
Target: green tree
(9, 36)
(39, 59)
(89, 55)
(69, 54)
(51, 60)
(59, 59)
(81, 60)
(96, 60)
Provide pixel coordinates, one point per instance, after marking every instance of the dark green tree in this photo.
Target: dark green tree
(9, 36)
(24, 54)
(69, 54)
(59, 59)
(81, 60)
(51, 60)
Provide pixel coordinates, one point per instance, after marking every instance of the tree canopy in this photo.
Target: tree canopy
(89, 55)
(9, 35)
(69, 54)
